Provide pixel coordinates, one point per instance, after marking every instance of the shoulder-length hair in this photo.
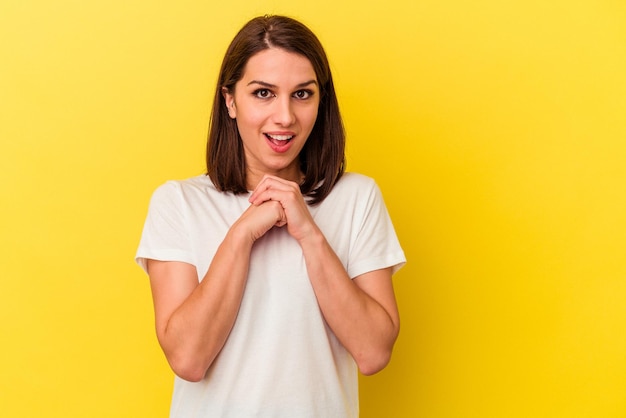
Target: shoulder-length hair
(322, 159)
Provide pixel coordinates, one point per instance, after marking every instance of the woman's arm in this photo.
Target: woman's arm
(193, 319)
(361, 312)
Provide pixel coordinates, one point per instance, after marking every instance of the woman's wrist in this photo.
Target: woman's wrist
(239, 238)
(313, 239)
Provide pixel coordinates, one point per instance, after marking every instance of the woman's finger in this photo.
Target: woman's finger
(272, 184)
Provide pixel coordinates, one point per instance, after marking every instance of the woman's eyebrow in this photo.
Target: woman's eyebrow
(269, 85)
(306, 83)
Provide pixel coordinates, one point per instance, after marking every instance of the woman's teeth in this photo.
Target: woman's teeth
(279, 137)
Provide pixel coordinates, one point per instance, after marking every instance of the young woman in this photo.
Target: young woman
(271, 274)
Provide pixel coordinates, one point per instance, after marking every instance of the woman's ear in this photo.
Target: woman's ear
(229, 99)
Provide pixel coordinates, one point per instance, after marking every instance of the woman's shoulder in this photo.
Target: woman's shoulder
(351, 180)
(200, 182)
(353, 187)
(171, 189)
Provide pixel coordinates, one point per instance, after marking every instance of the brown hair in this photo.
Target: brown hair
(322, 159)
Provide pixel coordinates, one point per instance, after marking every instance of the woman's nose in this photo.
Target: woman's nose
(283, 112)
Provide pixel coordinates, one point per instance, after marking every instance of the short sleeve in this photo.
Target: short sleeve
(165, 234)
(376, 244)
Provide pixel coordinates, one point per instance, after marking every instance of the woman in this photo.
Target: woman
(271, 275)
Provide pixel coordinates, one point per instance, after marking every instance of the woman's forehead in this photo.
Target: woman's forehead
(276, 66)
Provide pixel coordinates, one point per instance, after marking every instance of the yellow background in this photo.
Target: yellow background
(496, 130)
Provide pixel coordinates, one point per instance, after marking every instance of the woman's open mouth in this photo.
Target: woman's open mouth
(279, 143)
(279, 139)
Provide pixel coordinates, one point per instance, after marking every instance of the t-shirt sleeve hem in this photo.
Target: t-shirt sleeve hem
(394, 260)
(143, 256)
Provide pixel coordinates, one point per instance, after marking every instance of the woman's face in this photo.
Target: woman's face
(275, 104)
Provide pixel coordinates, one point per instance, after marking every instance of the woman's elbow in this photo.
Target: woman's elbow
(377, 357)
(373, 363)
(188, 370)
(190, 374)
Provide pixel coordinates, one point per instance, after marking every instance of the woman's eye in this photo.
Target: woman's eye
(263, 93)
(302, 94)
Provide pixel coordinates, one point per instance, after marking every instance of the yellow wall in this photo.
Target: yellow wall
(496, 130)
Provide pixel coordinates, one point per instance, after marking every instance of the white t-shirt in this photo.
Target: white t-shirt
(281, 359)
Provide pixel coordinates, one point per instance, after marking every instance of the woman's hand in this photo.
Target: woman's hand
(297, 217)
(258, 219)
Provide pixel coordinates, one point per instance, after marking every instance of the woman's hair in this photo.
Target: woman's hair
(322, 159)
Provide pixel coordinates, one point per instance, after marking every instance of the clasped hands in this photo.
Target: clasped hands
(278, 202)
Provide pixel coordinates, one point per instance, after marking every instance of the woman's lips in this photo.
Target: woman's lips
(279, 142)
